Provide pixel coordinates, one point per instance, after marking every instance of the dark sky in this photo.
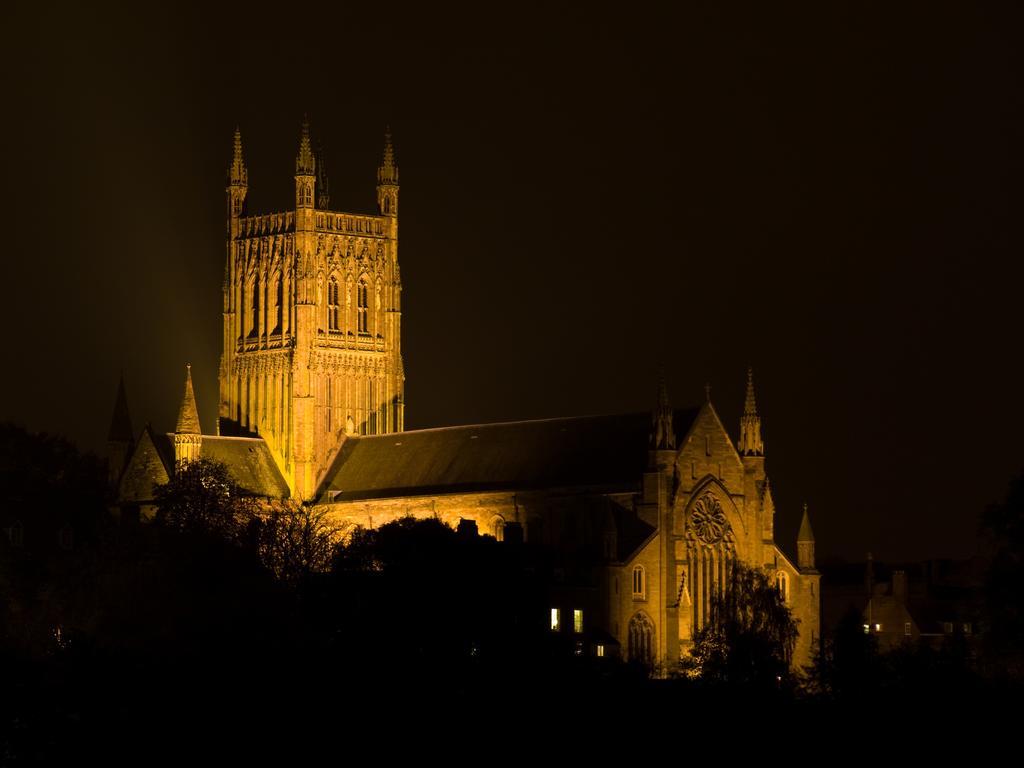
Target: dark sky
(829, 192)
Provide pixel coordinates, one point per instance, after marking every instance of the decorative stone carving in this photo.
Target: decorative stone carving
(708, 519)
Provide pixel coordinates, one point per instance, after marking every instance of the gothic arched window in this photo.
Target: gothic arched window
(498, 528)
(639, 582)
(641, 639)
(363, 307)
(255, 307)
(333, 312)
(387, 205)
(782, 583)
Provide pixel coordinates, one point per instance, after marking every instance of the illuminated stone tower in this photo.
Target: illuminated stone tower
(312, 307)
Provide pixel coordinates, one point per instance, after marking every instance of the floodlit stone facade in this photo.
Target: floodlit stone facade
(644, 513)
(312, 320)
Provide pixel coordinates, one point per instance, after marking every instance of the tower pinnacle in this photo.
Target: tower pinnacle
(305, 164)
(663, 436)
(238, 184)
(387, 173)
(237, 173)
(387, 179)
(750, 442)
(323, 194)
(805, 543)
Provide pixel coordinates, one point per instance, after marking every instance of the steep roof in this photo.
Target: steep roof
(249, 462)
(584, 451)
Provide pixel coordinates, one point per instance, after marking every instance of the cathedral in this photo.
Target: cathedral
(645, 513)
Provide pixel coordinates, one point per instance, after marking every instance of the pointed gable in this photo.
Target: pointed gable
(150, 465)
(707, 449)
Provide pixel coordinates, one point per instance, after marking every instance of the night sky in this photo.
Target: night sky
(828, 192)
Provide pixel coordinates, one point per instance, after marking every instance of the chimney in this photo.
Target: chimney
(899, 586)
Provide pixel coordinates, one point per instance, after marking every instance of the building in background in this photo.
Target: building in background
(643, 514)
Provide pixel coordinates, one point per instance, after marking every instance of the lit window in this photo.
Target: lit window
(967, 627)
(556, 619)
(906, 628)
(577, 621)
(867, 628)
(878, 627)
(600, 651)
(639, 582)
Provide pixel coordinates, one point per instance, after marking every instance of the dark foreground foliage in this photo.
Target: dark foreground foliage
(223, 634)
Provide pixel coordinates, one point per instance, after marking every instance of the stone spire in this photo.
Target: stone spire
(121, 423)
(121, 438)
(750, 443)
(805, 544)
(305, 163)
(187, 437)
(663, 436)
(238, 176)
(188, 415)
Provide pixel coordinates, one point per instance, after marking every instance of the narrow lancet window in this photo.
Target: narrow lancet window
(363, 307)
(255, 307)
(279, 302)
(333, 312)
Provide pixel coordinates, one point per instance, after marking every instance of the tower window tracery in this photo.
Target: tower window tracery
(641, 639)
(639, 583)
(279, 305)
(254, 330)
(363, 307)
(782, 583)
(333, 310)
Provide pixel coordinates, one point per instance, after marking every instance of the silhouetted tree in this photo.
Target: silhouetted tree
(750, 636)
(848, 664)
(295, 540)
(202, 498)
(1003, 523)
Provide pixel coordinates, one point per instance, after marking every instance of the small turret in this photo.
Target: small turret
(121, 438)
(750, 443)
(805, 544)
(187, 437)
(387, 179)
(305, 171)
